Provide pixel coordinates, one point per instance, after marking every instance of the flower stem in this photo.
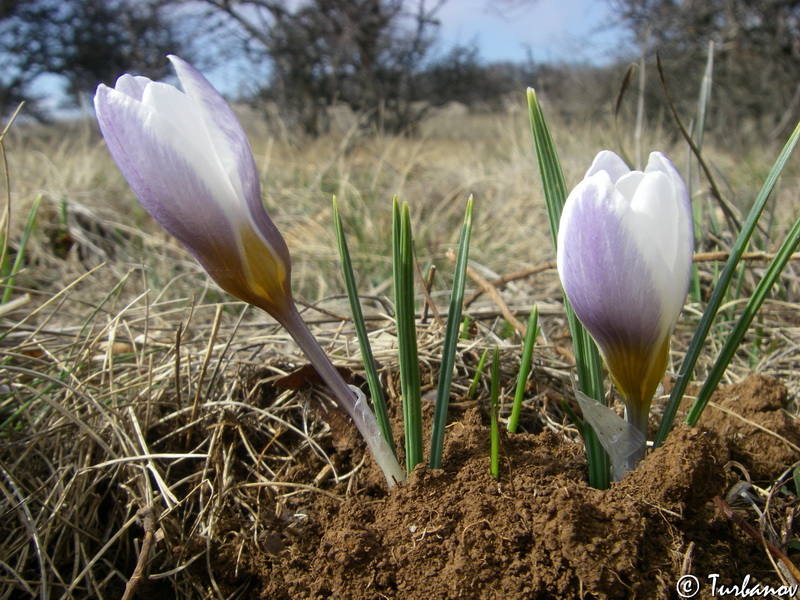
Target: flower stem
(356, 407)
(639, 417)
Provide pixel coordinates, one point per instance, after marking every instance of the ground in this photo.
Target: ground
(539, 531)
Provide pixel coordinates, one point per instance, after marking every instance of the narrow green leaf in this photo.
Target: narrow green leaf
(720, 289)
(782, 257)
(370, 369)
(473, 388)
(494, 412)
(23, 243)
(587, 358)
(403, 268)
(524, 367)
(451, 341)
(704, 100)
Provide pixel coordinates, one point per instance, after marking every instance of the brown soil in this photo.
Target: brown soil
(751, 416)
(540, 531)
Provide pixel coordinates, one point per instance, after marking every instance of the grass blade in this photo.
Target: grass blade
(703, 102)
(587, 358)
(23, 243)
(370, 369)
(720, 289)
(752, 307)
(451, 341)
(524, 367)
(494, 412)
(473, 388)
(403, 268)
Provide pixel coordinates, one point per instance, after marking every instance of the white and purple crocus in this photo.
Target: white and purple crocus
(189, 163)
(624, 256)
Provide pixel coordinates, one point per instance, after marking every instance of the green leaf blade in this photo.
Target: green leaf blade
(370, 368)
(452, 331)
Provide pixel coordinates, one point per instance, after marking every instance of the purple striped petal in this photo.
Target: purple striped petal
(607, 279)
(226, 135)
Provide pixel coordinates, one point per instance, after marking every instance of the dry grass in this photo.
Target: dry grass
(137, 400)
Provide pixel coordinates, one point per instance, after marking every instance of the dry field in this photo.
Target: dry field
(132, 402)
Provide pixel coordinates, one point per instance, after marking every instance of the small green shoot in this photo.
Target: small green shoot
(465, 328)
(473, 388)
(403, 270)
(524, 367)
(494, 413)
(11, 276)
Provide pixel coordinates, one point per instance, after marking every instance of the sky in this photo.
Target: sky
(553, 30)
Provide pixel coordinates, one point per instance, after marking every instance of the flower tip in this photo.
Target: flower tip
(99, 92)
(610, 162)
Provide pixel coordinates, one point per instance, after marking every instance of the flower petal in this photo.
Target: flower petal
(225, 132)
(233, 151)
(624, 258)
(611, 163)
(132, 86)
(170, 176)
(606, 278)
(685, 219)
(179, 192)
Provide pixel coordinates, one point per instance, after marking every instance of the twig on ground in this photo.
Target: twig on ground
(494, 294)
(723, 255)
(426, 293)
(149, 525)
(751, 531)
(511, 277)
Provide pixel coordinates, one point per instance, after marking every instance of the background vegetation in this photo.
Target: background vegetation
(383, 58)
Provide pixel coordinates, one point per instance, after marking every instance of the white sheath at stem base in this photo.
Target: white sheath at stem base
(355, 405)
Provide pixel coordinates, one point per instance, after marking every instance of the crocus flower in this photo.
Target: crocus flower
(625, 245)
(188, 161)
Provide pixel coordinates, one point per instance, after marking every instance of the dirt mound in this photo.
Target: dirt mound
(751, 416)
(538, 532)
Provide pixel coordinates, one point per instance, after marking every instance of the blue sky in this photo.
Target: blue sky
(572, 30)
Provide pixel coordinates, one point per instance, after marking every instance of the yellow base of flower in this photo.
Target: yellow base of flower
(637, 372)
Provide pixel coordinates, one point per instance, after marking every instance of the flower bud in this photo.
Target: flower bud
(188, 161)
(624, 257)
